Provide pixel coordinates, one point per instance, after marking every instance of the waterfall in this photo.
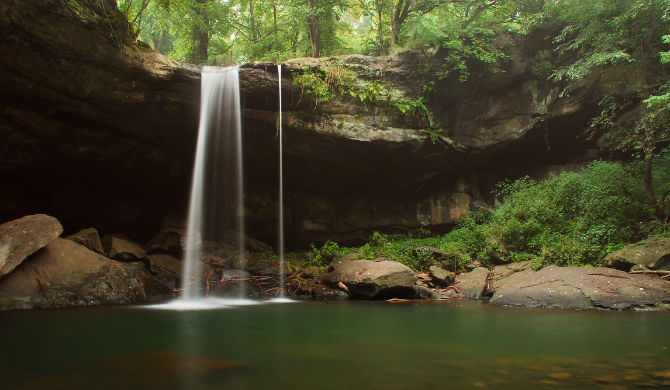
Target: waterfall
(216, 202)
(281, 195)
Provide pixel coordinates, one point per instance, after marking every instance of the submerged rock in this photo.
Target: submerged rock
(583, 288)
(373, 279)
(88, 238)
(23, 237)
(67, 274)
(653, 253)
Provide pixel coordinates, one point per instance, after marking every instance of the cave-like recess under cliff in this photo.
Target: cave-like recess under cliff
(99, 132)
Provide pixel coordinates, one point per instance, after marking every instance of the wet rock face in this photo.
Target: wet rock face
(367, 279)
(65, 273)
(23, 237)
(583, 288)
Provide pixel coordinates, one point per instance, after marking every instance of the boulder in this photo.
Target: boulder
(653, 253)
(120, 248)
(322, 292)
(163, 263)
(235, 239)
(501, 275)
(441, 276)
(67, 274)
(583, 288)
(422, 292)
(88, 238)
(169, 238)
(373, 279)
(23, 237)
(472, 284)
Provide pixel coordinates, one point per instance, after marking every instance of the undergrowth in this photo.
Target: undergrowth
(571, 219)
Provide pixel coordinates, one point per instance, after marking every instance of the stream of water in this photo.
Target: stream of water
(341, 345)
(218, 184)
(282, 284)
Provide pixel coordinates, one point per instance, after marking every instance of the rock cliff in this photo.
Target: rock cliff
(100, 131)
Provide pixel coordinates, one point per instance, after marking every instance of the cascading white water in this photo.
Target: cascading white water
(281, 195)
(216, 202)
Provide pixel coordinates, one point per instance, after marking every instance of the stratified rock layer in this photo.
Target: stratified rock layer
(583, 288)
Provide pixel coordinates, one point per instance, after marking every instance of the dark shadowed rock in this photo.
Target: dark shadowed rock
(235, 239)
(170, 237)
(583, 288)
(23, 237)
(166, 269)
(67, 274)
(472, 284)
(235, 289)
(368, 279)
(164, 263)
(422, 292)
(322, 292)
(121, 248)
(653, 253)
(441, 276)
(88, 238)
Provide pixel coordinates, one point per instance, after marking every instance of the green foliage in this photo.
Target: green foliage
(572, 219)
(321, 84)
(569, 219)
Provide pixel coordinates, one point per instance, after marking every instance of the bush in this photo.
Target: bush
(569, 219)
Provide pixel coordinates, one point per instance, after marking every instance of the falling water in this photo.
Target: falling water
(216, 192)
(281, 195)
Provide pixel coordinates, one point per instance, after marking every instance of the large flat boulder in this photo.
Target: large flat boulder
(23, 237)
(502, 275)
(653, 253)
(583, 288)
(65, 273)
(373, 279)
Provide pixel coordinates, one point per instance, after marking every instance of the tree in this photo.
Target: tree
(612, 32)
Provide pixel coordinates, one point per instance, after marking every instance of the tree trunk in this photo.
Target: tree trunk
(393, 26)
(380, 10)
(160, 41)
(199, 51)
(252, 20)
(314, 30)
(649, 128)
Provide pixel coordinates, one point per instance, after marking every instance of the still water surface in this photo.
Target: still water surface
(341, 345)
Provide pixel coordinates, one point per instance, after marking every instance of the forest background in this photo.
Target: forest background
(571, 219)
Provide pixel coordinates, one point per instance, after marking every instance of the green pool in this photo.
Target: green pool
(340, 345)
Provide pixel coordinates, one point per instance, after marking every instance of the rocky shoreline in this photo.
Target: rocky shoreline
(38, 269)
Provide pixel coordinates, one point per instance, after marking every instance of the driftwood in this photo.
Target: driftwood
(650, 272)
